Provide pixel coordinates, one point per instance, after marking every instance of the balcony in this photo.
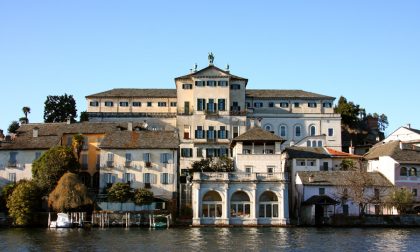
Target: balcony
(239, 177)
(12, 163)
(211, 113)
(110, 164)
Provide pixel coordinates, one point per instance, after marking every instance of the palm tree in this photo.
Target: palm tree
(26, 110)
(77, 144)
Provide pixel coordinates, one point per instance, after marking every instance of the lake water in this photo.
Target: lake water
(211, 239)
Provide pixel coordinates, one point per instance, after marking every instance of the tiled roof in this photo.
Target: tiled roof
(336, 153)
(136, 92)
(413, 130)
(286, 94)
(222, 73)
(306, 152)
(27, 142)
(140, 140)
(257, 134)
(392, 149)
(339, 178)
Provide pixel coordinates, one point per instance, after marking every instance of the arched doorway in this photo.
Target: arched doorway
(211, 205)
(240, 205)
(268, 205)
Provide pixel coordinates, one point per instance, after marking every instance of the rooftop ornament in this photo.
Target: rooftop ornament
(211, 58)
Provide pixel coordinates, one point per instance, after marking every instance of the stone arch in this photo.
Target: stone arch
(240, 204)
(268, 205)
(211, 204)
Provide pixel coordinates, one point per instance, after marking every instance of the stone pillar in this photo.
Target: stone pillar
(225, 205)
(196, 203)
(254, 205)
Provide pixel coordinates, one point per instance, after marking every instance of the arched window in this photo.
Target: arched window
(283, 131)
(267, 127)
(298, 131)
(313, 143)
(211, 206)
(269, 205)
(312, 130)
(319, 143)
(308, 143)
(240, 205)
(403, 171)
(413, 172)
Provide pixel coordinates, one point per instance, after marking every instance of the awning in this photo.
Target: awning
(320, 200)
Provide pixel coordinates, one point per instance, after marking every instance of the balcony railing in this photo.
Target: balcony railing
(238, 176)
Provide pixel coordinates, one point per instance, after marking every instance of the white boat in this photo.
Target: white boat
(63, 221)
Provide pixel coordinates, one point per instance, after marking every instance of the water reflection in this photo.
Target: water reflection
(211, 239)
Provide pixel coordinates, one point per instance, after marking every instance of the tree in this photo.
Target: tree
(349, 112)
(23, 202)
(84, 116)
(48, 169)
(402, 199)
(6, 191)
(26, 111)
(120, 192)
(69, 194)
(382, 121)
(143, 196)
(347, 165)
(13, 127)
(60, 108)
(77, 144)
(359, 187)
(221, 164)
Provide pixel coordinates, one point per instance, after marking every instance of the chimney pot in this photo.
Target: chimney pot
(35, 132)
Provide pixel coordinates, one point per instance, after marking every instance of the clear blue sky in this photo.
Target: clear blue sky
(368, 51)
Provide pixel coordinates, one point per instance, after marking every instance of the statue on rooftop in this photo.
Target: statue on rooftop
(211, 58)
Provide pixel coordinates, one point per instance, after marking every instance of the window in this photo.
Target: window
(186, 86)
(146, 157)
(296, 104)
(312, 104)
(271, 104)
(200, 152)
(94, 103)
(201, 104)
(325, 166)
(268, 207)
(414, 191)
(128, 177)
(211, 133)
(136, 104)
(127, 159)
(223, 133)
(85, 143)
(149, 104)
(110, 160)
(211, 83)
(84, 161)
(173, 104)
(312, 130)
(321, 191)
(37, 155)
(308, 143)
(267, 127)
(12, 177)
(221, 104)
(235, 86)
(12, 159)
(109, 178)
(248, 169)
(199, 132)
(146, 178)
(186, 131)
(186, 152)
(311, 162)
(319, 143)
(166, 178)
(211, 106)
(283, 130)
(297, 131)
(161, 104)
(223, 152)
(258, 104)
(413, 172)
(270, 169)
(109, 104)
(330, 132)
(240, 205)
(165, 157)
(403, 171)
(235, 131)
(301, 162)
(313, 143)
(149, 178)
(284, 104)
(200, 83)
(123, 104)
(212, 152)
(211, 206)
(235, 107)
(327, 105)
(248, 105)
(222, 83)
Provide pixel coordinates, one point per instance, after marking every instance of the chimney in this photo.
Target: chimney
(409, 125)
(401, 146)
(35, 132)
(130, 126)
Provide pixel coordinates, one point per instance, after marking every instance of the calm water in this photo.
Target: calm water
(211, 239)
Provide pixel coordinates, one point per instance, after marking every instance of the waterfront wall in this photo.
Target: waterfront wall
(377, 220)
